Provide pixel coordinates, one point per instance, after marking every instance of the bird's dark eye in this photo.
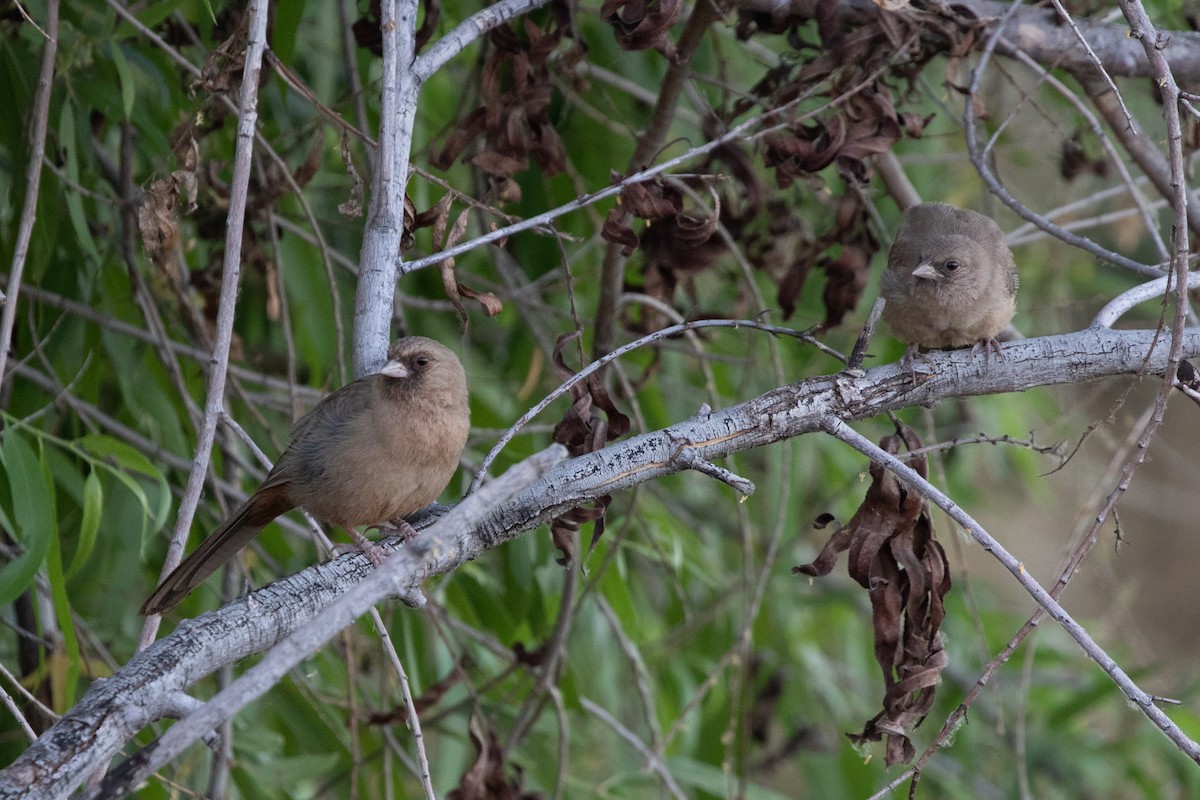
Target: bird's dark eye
(421, 361)
(952, 265)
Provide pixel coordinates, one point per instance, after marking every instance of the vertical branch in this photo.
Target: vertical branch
(403, 75)
(380, 254)
(33, 182)
(612, 277)
(256, 40)
(1143, 29)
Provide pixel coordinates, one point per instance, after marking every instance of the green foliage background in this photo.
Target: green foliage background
(687, 622)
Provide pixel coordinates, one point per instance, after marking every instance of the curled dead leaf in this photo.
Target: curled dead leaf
(894, 554)
(642, 24)
(581, 430)
(487, 778)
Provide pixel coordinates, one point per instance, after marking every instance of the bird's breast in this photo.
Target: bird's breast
(386, 466)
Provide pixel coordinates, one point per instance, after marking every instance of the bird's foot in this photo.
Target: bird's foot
(909, 360)
(989, 346)
(405, 531)
(371, 550)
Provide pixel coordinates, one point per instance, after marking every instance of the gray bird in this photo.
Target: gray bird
(374, 451)
(950, 281)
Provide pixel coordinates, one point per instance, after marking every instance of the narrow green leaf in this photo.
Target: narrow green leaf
(89, 526)
(32, 513)
(65, 684)
(74, 200)
(104, 447)
(125, 77)
(120, 458)
(150, 16)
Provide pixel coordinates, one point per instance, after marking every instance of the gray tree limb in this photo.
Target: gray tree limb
(148, 687)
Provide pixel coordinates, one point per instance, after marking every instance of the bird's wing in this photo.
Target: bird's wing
(320, 425)
(891, 282)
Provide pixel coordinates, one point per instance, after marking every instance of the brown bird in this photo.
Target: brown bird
(375, 450)
(950, 281)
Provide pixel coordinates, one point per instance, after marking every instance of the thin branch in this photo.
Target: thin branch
(215, 400)
(413, 719)
(768, 118)
(1095, 59)
(1116, 308)
(653, 760)
(1145, 702)
(467, 32)
(39, 114)
(596, 365)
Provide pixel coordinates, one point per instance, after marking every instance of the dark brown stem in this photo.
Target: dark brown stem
(612, 278)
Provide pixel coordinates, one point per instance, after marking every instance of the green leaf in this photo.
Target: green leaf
(74, 200)
(32, 512)
(115, 452)
(708, 778)
(64, 694)
(125, 77)
(150, 16)
(106, 447)
(89, 526)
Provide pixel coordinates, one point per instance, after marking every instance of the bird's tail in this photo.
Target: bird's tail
(234, 534)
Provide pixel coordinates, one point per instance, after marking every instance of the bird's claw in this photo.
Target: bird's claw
(989, 346)
(371, 550)
(403, 529)
(909, 360)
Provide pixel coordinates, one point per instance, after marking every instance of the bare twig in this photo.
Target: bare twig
(215, 399)
(835, 427)
(980, 157)
(622, 350)
(39, 116)
(1095, 59)
(1116, 308)
(653, 760)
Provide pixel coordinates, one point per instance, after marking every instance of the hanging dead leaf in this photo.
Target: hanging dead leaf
(581, 430)
(486, 779)
(642, 24)
(490, 303)
(516, 88)
(894, 555)
(156, 215)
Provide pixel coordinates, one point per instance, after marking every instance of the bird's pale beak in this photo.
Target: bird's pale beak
(926, 272)
(394, 369)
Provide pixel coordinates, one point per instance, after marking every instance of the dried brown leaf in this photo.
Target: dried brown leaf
(846, 279)
(437, 215)
(352, 206)
(486, 779)
(618, 231)
(642, 24)
(893, 555)
(156, 216)
(305, 172)
(652, 199)
(490, 303)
